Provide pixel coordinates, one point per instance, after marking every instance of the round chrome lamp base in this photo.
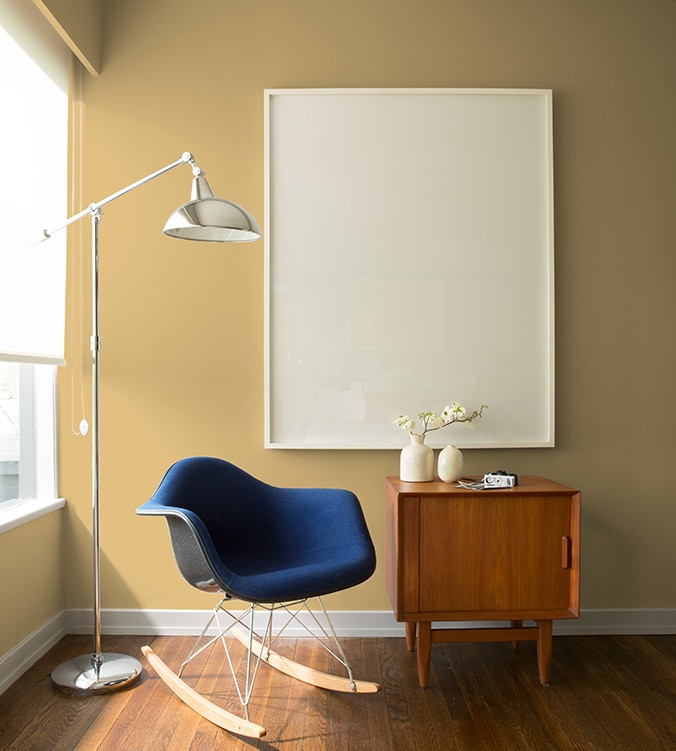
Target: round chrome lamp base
(97, 674)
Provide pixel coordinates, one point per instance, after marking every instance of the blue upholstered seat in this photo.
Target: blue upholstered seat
(257, 542)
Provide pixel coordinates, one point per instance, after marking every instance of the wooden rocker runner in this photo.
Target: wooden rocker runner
(273, 548)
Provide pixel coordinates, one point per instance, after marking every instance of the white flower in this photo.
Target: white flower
(435, 422)
(451, 413)
(453, 409)
(405, 422)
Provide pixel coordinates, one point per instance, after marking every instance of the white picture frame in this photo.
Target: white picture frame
(409, 263)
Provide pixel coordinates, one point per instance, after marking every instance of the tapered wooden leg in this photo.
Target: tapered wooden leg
(410, 635)
(516, 624)
(544, 650)
(424, 652)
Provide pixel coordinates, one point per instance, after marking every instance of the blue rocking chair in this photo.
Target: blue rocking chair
(272, 548)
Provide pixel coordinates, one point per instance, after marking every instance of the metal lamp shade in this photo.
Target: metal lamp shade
(209, 219)
(212, 220)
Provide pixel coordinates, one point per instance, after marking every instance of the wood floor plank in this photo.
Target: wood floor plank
(396, 663)
(647, 661)
(507, 693)
(490, 718)
(73, 715)
(207, 674)
(444, 682)
(34, 693)
(132, 730)
(606, 694)
(429, 716)
(349, 713)
(595, 692)
(640, 723)
(209, 737)
(308, 704)
(548, 706)
(367, 667)
(91, 734)
(210, 675)
(268, 703)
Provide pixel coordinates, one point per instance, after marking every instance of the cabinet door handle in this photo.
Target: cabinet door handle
(565, 552)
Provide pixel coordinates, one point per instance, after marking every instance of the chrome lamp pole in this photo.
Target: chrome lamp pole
(204, 218)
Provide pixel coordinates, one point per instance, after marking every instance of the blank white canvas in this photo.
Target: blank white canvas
(409, 264)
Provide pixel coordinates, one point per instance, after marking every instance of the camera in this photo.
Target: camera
(500, 479)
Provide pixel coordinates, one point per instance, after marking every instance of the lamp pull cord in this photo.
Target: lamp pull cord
(76, 261)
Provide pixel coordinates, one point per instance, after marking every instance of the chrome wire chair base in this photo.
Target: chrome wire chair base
(257, 630)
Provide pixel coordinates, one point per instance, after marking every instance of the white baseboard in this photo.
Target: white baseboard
(615, 622)
(17, 661)
(191, 622)
(346, 623)
(362, 623)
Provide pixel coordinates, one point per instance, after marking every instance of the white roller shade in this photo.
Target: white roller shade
(33, 185)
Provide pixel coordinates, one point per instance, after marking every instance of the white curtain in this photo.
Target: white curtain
(34, 65)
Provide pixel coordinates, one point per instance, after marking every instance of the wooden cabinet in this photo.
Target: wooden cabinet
(491, 555)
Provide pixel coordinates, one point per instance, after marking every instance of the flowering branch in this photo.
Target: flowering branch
(452, 413)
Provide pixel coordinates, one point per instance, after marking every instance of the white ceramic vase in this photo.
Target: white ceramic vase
(416, 463)
(450, 464)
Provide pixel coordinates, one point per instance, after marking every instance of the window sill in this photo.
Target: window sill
(26, 511)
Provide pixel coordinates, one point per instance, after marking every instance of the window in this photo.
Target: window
(9, 432)
(34, 69)
(27, 439)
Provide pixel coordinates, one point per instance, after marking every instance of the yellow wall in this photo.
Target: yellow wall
(31, 586)
(182, 324)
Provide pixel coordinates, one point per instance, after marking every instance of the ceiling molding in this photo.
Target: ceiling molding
(78, 23)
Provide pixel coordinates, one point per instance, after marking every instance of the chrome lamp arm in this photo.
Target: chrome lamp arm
(95, 208)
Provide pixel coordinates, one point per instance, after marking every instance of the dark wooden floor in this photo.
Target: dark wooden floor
(606, 694)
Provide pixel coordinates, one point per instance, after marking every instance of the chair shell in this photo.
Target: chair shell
(256, 542)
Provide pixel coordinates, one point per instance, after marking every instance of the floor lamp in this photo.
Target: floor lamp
(203, 218)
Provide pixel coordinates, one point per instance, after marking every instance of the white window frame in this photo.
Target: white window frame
(38, 480)
(28, 431)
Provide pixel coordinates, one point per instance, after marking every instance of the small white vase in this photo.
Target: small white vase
(450, 464)
(416, 463)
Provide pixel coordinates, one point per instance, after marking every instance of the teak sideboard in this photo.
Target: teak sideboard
(453, 554)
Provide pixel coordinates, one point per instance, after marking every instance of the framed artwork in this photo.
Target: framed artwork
(409, 263)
